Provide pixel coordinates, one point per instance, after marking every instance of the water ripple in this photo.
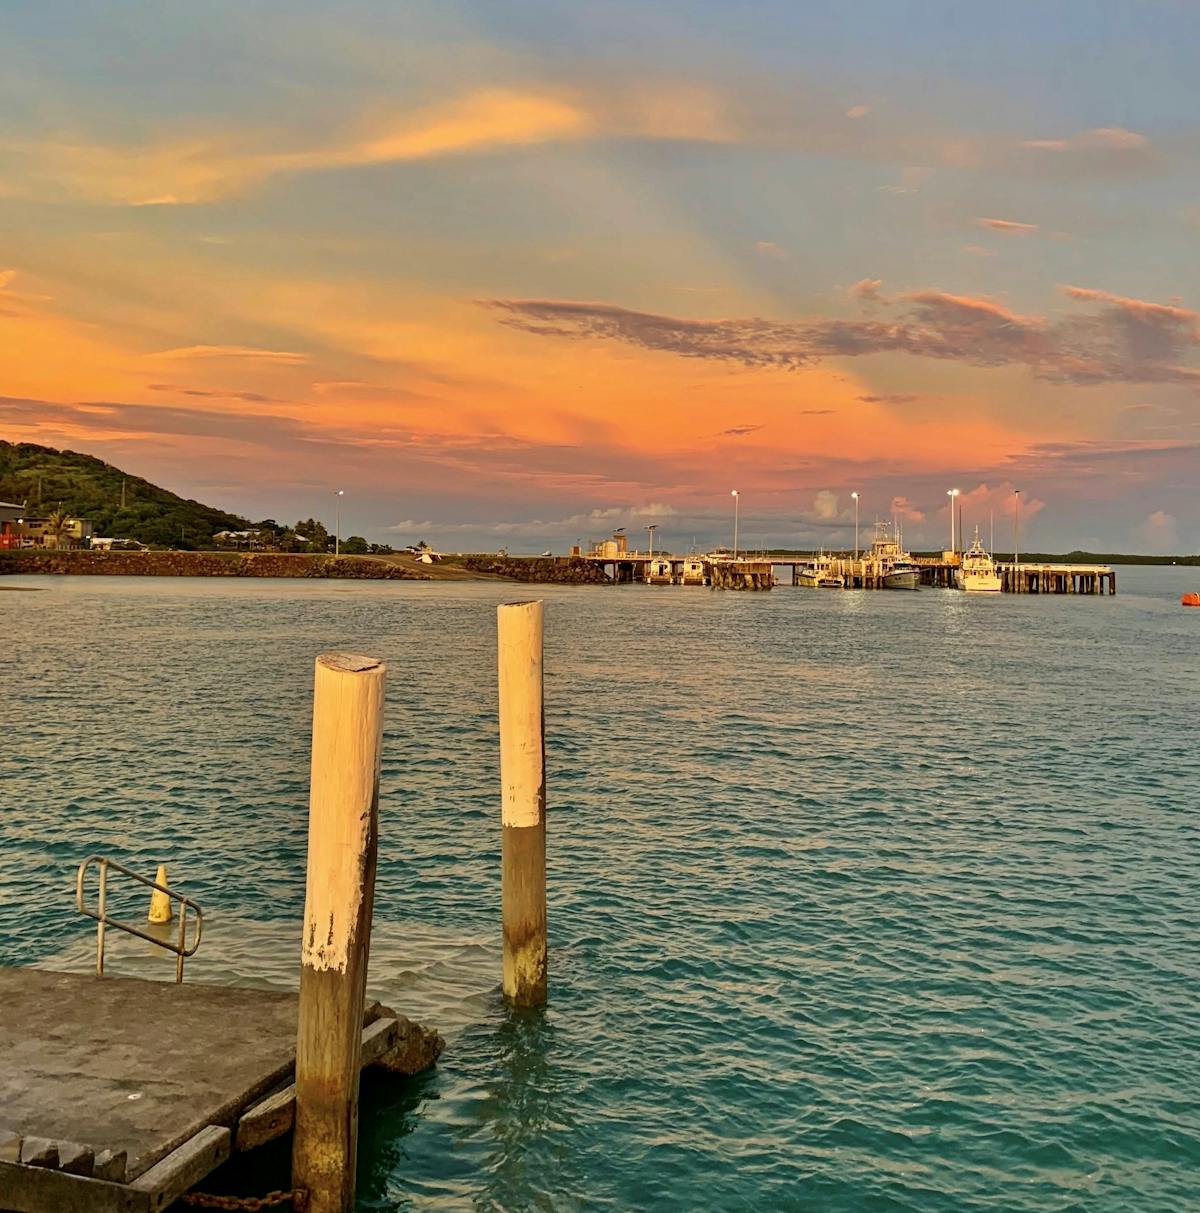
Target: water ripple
(858, 902)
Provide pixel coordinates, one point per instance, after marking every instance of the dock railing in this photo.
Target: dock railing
(100, 913)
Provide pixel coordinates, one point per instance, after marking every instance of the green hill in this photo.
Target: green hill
(86, 487)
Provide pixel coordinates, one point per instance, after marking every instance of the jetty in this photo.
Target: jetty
(118, 1095)
(764, 572)
(618, 564)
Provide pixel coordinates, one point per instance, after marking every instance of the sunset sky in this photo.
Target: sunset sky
(515, 274)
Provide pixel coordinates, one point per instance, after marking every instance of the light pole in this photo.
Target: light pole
(1016, 527)
(651, 527)
(337, 534)
(953, 495)
(736, 499)
(855, 496)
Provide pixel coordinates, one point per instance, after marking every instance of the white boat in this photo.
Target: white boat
(978, 574)
(892, 563)
(821, 573)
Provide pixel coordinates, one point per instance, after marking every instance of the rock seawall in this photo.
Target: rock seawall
(547, 569)
(202, 564)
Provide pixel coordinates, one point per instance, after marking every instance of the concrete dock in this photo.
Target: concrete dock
(117, 1095)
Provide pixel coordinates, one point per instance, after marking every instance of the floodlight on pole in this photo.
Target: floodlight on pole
(855, 496)
(1016, 528)
(337, 533)
(736, 500)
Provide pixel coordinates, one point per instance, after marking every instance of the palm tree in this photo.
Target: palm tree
(57, 522)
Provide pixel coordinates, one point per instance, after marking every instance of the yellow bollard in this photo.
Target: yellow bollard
(160, 903)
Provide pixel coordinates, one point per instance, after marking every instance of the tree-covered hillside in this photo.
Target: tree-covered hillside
(43, 479)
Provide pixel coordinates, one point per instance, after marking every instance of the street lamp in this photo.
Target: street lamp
(337, 540)
(1016, 527)
(953, 495)
(651, 527)
(855, 496)
(736, 499)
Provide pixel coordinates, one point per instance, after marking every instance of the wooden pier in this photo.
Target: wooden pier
(761, 573)
(117, 1094)
(722, 573)
(1058, 578)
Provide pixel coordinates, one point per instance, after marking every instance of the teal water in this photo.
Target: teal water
(859, 902)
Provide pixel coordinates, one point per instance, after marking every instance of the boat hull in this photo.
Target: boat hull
(902, 579)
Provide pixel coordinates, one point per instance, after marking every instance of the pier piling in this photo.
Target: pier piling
(523, 802)
(343, 837)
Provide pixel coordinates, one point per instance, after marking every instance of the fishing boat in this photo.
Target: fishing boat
(820, 573)
(893, 565)
(978, 574)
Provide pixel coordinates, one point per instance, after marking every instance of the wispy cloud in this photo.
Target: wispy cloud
(115, 417)
(739, 431)
(890, 398)
(221, 394)
(1103, 151)
(1125, 341)
(197, 170)
(238, 352)
(1009, 227)
(207, 166)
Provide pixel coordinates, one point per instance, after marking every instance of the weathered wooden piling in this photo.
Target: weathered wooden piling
(343, 835)
(523, 802)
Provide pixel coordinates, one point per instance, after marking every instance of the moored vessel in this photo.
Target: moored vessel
(978, 573)
(893, 566)
(1190, 600)
(821, 573)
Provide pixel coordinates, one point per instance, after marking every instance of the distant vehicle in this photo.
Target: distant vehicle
(547, 552)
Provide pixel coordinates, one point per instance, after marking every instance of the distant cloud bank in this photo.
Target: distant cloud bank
(1123, 340)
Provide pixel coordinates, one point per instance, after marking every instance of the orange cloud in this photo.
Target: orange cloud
(1105, 137)
(205, 169)
(245, 352)
(1008, 226)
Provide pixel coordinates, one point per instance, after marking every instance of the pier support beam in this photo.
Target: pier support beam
(343, 837)
(523, 802)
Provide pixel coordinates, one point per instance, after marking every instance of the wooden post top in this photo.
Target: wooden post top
(351, 663)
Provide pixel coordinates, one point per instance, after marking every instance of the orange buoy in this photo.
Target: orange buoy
(1190, 600)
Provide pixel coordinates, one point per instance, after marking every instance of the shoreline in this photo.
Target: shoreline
(547, 570)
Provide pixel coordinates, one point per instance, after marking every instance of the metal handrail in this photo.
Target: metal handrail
(100, 914)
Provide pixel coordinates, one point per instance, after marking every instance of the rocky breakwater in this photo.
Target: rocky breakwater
(557, 570)
(203, 564)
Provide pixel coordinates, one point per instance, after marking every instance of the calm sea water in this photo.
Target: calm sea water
(859, 902)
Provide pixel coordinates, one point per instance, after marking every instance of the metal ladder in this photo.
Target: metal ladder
(100, 913)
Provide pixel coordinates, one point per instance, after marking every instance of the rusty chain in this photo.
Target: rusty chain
(297, 1198)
